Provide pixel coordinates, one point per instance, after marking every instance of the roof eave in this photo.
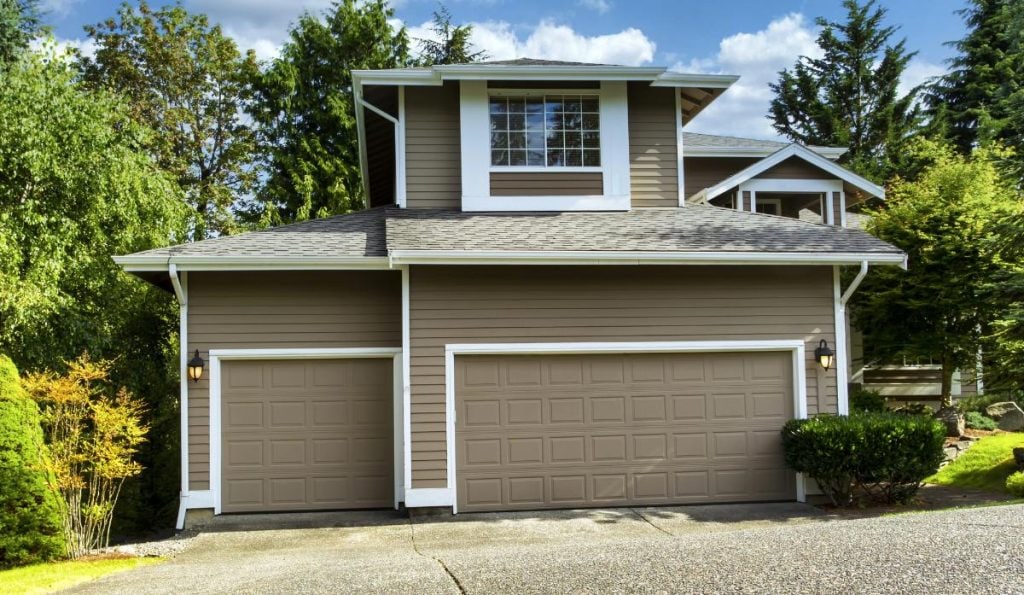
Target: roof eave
(832, 153)
(142, 263)
(468, 257)
(436, 75)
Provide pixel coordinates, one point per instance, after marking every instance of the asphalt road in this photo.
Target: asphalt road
(785, 548)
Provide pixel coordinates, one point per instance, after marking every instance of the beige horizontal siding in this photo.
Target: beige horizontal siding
(705, 172)
(563, 304)
(653, 169)
(433, 159)
(281, 309)
(547, 184)
(795, 168)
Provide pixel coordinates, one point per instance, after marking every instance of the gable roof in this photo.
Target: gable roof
(536, 62)
(791, 150)
(696, 144)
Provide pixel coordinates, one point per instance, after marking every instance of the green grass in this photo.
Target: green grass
(985, 466)
(54, 576)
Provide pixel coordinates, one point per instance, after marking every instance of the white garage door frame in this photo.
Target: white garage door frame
(447, 496)
(220, 355)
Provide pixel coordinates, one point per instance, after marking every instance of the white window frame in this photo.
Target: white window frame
(776, 202)
(544, 93)
(474, 116)
(447, 496)
(212, 498)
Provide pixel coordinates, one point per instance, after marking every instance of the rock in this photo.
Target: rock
(1008, 414)
(952, 420)
(1018, 457)
(951, 453)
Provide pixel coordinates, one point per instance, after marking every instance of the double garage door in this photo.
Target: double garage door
(307, 435)
(569, 431)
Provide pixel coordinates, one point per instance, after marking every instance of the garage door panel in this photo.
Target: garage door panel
(306, 435)
(621, 429)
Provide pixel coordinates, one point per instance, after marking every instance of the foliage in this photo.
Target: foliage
(979, 403)
(850, 96)
(946, 223)
(93, 434)
(1004, 369)
(30, 527)
(914, 409)
(879, 456)
(19, 25)
(57, 576)
(1015, 484)
(304, 107)
(972, 100)
(985, 465)
(190, 82)
(452, 43)
(979, 421)
(867, 401)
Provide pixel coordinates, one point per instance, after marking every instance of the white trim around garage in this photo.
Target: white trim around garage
(448, 496)
(212, 498)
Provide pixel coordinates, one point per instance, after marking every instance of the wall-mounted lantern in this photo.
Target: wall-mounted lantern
(824, 355)
(195, 367)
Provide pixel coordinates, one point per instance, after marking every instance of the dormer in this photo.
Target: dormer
(528, 135)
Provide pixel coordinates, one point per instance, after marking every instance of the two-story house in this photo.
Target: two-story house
(556, 299)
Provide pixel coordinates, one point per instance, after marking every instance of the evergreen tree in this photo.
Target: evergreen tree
(452, 45)
(19, 25)
(849, 97)
(304, 107)
(973, 102)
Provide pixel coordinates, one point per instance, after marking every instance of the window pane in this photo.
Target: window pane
(517, 140)
(574, 158)
(499, 122)
(517, 157)
(499, 105)
(592, 158)
(556, 140)
(535, 157)
(572, 121)
(516, 105)
(573, 140)
(499, 157)
(591, 121)
(590, 104)
(591, 140)
(516, 121)
(552, 104)
(535, 122)
(556, 158)
(499, 140)
(571, 105)
(534, 105)
(535, 140)
(554, 121)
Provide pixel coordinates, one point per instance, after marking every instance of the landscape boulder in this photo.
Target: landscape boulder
(952, 421)
(1008, 414)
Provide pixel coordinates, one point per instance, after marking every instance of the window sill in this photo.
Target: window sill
(543, 169)
(545, 203)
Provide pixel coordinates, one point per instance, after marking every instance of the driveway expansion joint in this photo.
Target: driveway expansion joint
(416, 548)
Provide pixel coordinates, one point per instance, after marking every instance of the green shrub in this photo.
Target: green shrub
(915, 409)
(1015, 484)
(877, 456)
(30, 526)
(867, 401)
(978, 403)
(978, 421)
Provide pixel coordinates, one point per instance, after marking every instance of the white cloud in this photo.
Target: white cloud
(259, 25)
(919, 71)
(85, 47)
(501, 41)
(598, 6)
(58, 8)
(757, 58)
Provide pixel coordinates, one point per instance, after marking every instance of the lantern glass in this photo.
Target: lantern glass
(195, 367)
(824, 355)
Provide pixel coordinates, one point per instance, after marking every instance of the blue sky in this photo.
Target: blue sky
(751, 38)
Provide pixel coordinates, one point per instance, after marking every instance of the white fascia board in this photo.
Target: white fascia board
(456, 257)
(397, 76)
(830, 153)
(136, 264)
(436, 75)
(682, 79)
(795, 150)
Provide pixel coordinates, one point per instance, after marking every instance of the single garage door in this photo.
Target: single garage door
(306, 435)
(620, 430)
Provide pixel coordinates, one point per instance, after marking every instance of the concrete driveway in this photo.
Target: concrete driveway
(772, 548)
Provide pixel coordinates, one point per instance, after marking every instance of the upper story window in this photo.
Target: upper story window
(545, 131)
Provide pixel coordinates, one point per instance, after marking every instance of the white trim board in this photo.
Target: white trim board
(791, 185)
(640, 258)
(449, 496)
(793, 150)
(216, 356)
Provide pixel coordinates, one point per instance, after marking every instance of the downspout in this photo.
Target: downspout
(182, 297)
(855, 284)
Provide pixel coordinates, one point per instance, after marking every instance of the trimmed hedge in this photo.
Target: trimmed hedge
(878, 456)
(1015, 484)
(867, 401)
(30, 526)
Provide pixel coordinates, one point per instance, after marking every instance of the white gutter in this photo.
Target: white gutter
(453, 257)
(139, 264)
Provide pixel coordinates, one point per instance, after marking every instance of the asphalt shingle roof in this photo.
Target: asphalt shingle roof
(355, 234)
(696, 228)
(696, 139)
(535, 62)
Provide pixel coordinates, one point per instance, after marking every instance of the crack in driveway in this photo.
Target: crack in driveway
(440, 562)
